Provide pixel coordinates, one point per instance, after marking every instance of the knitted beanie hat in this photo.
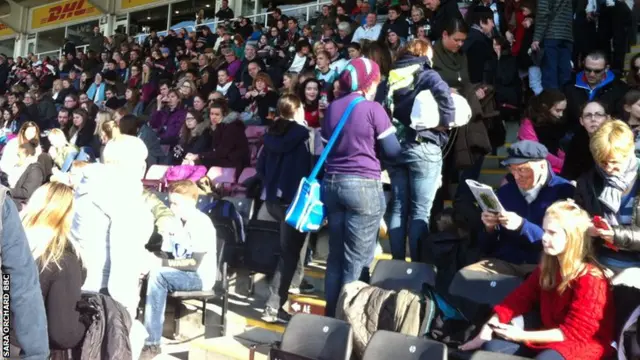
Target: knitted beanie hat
(359, 74)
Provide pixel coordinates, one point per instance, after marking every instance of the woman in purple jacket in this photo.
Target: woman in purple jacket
(168, 118)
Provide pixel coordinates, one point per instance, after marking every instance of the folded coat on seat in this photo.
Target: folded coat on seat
(369, 308)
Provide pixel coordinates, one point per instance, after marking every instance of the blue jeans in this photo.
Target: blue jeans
(414, 182)
(355, 206)
(161, 282)
(556, 63)
(512, 348)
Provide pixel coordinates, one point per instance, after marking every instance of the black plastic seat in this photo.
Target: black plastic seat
(401, 275)
(386, 345)
(318, 337)
(482, 287)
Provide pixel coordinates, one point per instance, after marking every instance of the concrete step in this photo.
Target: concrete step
(234, 347)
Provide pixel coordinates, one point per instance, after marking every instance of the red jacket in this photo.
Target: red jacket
(584, 312)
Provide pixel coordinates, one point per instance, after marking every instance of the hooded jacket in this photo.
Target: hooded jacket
(285, 159)
(609, 91)
(411, 75)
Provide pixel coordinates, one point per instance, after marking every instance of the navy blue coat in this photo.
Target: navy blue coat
(285, 159)
(523, 246)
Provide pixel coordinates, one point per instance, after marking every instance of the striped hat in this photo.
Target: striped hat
(359, 74)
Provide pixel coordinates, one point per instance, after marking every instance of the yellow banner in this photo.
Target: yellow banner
(62, 12)
(127, 4)
(5, 30)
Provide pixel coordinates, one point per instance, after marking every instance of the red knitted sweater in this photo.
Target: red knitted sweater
(584, 312)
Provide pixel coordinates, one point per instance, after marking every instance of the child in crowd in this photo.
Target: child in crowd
(62, 152)
(571, 292)
(191, 263)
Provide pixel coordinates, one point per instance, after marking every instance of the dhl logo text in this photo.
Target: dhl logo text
(66, 11)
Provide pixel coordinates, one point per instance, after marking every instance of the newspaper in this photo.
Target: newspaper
(486, 198)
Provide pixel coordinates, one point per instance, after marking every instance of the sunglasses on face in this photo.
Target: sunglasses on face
(594, 71)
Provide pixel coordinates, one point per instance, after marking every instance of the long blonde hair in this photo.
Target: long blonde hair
(101, 118)
(574, 261)
(50, 208)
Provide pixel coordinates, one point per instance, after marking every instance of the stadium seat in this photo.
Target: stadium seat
(240, 189)
(386, 345)
(243, 206)
(156, 172)
(226, 177)
(255, 133)
(401, 275)
(246, 174)
(482, 287)
(485, 355)
(154, 179)
(317, 337)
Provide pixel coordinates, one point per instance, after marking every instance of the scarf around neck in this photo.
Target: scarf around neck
(615, 186)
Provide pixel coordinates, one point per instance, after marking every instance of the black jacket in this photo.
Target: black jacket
(578, 159)
(31, 179)
(479, 50)
(502, 73)
(447, 10)
(610, 92)
(626, 237)
(108, 335)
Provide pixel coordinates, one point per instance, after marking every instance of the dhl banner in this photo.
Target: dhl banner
(5, 30)
(62, 12)
(127, 4)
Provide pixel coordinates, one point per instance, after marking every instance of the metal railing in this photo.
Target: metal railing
(58, 53)
(306, 9)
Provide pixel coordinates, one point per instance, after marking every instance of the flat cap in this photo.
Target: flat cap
(525, 151)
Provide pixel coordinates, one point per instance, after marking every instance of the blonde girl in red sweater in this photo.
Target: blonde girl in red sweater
(570, 291)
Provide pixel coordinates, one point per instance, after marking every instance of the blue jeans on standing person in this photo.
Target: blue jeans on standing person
(414, 182)
(556, 63)
(161, 282)
(355, 206)
(512, 348)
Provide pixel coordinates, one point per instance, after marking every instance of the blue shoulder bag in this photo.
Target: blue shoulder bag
(306, 213)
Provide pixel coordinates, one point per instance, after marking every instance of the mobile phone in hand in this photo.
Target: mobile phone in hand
(599, 223)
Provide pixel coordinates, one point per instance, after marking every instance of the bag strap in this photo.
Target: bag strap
(334, 137)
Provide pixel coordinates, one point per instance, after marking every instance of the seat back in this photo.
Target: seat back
(219, 175)
(482, 287)
(246, 174)
(244, 206)
(156, 172)
(401, 275)
(386, 345)
(255, 132)
(318, 337)
(486, 355)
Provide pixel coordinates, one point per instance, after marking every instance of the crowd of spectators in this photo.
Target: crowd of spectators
(80, 132)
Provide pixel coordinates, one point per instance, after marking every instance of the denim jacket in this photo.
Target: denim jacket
(28, 316)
